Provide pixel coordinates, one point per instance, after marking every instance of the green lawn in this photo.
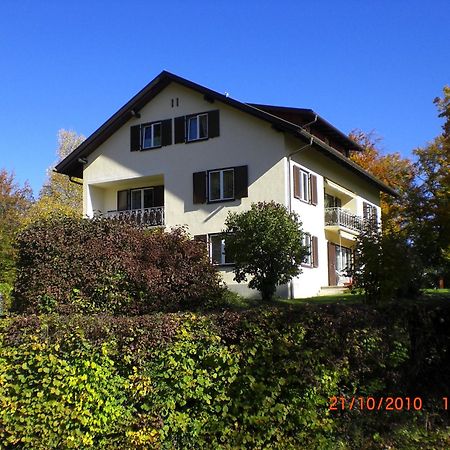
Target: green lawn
(238, 303)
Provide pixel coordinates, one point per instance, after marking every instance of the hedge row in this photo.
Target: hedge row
(256, 379)
(74, 265)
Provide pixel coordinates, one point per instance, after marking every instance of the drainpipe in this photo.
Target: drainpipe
(311, 141)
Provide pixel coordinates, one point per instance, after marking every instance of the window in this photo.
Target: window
(139, 198)
(217, 185)
(197, 127)
(332, 202)
(142, 198)
(305, 185)
(307, 242)
(370, 213)
(312, 257)
(343, 260)
(217, 251)
(151, 135)
(221, 185)
(305, 193)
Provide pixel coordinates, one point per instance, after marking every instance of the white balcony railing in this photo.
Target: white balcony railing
(343, 218)
(151, 217)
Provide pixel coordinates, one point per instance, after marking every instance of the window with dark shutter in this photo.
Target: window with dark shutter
(241, 182)
(199, 182)
(166, 132)
(123, 200)
(135, 138)
(180, 129)
(296, 176)
(213, 124)
(313, 182)
(158, 196)
(315, 251)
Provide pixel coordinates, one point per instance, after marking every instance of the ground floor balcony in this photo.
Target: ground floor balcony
(342, 218)
(148, 217)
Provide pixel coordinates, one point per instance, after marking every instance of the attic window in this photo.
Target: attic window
(151, 135)
(197, 127)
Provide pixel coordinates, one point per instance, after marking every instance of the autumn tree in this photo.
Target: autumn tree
(428, 204)
(15, 201)
(392, 169)
(59, 195)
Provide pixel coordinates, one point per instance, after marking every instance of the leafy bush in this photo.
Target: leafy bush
(265, 243)
(376, 269)
(260, 378)
(53, 399)
(75, 265)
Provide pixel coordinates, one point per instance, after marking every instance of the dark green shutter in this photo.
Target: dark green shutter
(166, 132)
(135, 138)
(180, 129)
(158, 196)
(199, 181)
(240, 182)
(213, 124)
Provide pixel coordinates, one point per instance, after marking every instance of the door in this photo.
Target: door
(332, 277)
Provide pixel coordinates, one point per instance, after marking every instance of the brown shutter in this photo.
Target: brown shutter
(296, 177)
(158, 196)
(241, 182)
(313, 182)
(199, 181)
(135, 138)
(315, 251)
(332, 278)
(166, 132)
(123, 200)
(213, 124)
(180, 129)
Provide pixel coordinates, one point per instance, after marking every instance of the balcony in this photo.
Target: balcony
(147, 217)
(339, 217)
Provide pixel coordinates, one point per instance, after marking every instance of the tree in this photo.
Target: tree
(59, 195)
(266, 243)
(15, 202)
(393, 170)
(428, 203)
(376, 269)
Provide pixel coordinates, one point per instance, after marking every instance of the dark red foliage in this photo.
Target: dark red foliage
(76, 265)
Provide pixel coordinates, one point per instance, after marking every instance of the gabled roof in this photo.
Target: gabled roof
(72, 165)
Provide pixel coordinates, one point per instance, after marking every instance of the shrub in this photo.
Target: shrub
(76, 265)
(265, 243)
(376, 269)
(59, 400)
(260, 378)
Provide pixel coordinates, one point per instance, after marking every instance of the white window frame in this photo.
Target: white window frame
(222, 251)
(152, 138)
(221, 185)
(305, 195)
(307, 242)
(142, 197)
(197, 118)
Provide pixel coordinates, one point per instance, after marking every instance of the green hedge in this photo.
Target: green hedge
(255, 379)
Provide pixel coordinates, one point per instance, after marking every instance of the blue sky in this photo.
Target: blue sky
(373, 65)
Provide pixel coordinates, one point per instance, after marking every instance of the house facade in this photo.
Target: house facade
(181, 154)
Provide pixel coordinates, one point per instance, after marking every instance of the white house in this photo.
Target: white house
(181, 154)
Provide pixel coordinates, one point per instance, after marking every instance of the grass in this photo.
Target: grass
(236, 302)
